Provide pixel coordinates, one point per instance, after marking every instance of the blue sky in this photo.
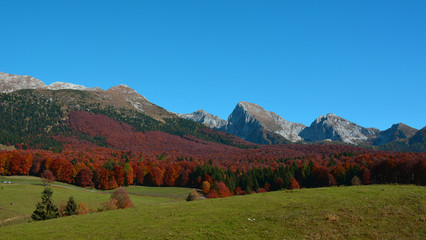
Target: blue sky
(362, 60)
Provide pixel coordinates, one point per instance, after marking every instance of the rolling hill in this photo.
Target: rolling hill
(359, 212)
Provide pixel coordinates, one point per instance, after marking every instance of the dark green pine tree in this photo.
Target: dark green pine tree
(71, 207)
(45, 209)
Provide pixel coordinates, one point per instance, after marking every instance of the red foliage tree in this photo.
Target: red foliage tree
(139, 175)
(84, 177)
(21, 163)
(223, 190)
(238, 191)
(155, 176)
(365, 177)
(205, 187)
(293, 184)
(62, 169)
(119, 175)
(102, 178)
(212, 194)
(170, 175)
(47, 177)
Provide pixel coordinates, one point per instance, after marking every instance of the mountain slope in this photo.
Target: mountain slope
(36, 116)
(201, 116)
(253, 123)
(396, 132)
(419, 137)
(417, 143)
(333, 127)
(118, 97)
(123, 96)
(12, 82)
(64, 85)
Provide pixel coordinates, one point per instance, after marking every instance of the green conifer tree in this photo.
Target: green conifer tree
(71, 207)
(45, 209)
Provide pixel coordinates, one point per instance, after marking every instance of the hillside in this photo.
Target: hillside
(25, 192)
(417, 143)
(360, 212)
(39, 115)
(397, 132)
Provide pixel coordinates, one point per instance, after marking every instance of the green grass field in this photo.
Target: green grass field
(359, 212)
(25, 192)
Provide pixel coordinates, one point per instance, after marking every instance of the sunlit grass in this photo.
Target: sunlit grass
(360, 212)
(25, 192)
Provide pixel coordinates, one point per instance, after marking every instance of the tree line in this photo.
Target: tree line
(124, 168)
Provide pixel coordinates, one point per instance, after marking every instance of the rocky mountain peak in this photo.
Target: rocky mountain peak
(200, 112)
(248, 118)
(205, 118)
(12, 82)
(398, 131)
(329, 118)
(333, 127)
(64, 85)
(122, 88)
(130, 95)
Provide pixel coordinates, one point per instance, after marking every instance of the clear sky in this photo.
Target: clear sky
(362, 60)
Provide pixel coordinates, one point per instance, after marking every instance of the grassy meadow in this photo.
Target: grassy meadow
(358, 212)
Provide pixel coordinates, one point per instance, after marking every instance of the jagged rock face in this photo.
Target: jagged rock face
(11, 82)
(250, 121)
(201, 116)
(332, 127)
(396, 132)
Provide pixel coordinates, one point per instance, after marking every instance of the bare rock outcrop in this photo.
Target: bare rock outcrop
(335, 128)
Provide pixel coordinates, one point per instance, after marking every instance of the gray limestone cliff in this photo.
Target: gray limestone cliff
(335, 128)
(251, 122)
(201, 116)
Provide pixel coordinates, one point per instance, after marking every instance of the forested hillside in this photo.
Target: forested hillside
(69, 135)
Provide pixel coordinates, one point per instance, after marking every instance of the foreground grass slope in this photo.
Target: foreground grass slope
(25, 192)
(359, 212)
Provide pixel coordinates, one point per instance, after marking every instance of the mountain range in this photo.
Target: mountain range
(253, 123)
(248, 121)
